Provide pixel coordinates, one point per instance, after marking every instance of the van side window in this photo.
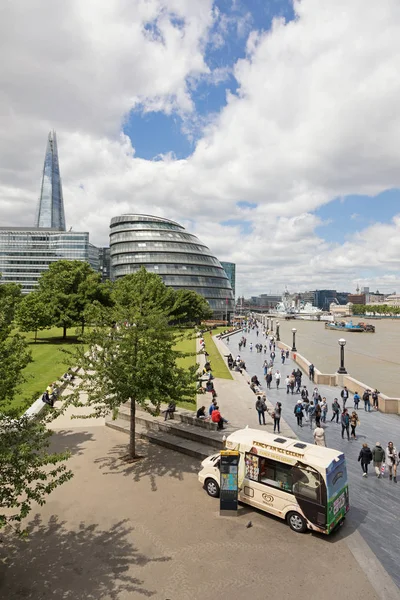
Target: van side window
(308, 484)
(276, 474)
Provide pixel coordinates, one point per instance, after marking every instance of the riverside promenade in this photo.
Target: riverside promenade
(375, 503)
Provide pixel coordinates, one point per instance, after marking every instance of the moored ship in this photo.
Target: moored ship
(351, 327)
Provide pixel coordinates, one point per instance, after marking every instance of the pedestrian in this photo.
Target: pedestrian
(335, 410)
(356, 400)
(212, 407)
(391, 461)
(251, 347)
(311, 370)
(216, 417)
(316, 396)
(319, 437)
(287, 354)
(292, 384)
(287, 383)
(344, 395)
(311, 413)
(268, 379)
(324, 409)
(277, 417)
(378, 456)
(306, 407)
(283, 356)
(375, 399)
(318, 413)
(277, 379)
(353, 424)
(304, 393)
(345, 421)
(367, 401)
(272, 356)
(298, 411)
(365, 458)
(260, 408)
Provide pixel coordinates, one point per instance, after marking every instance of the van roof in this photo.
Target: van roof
(314, 455)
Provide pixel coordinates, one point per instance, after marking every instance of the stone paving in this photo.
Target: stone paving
(375, 503)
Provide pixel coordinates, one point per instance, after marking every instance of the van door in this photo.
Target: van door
(309, 489)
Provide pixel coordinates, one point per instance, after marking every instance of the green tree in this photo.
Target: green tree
(10, 296)
(68, 287)
(190, 307)
(135, 361)
(33, 313)
(27, 471)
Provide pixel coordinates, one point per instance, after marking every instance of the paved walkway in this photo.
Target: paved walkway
(375, 504)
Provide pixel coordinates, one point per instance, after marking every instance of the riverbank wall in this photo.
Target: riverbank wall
(385, 403)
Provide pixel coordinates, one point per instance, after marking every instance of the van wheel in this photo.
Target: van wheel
(212, 488)
(296, 522)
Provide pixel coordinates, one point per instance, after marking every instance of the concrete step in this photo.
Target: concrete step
(166, 440)
(180, 416)
(183, 430)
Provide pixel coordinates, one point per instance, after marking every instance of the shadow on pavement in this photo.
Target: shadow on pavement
(82, 563)
(156, 462)
(70, 439)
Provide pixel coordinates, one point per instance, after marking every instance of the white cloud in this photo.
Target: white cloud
(315, 117)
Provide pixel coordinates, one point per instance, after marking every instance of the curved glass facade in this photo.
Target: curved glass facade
(166, 248)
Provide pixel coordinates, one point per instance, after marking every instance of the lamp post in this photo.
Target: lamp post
(342, 343)
(278, 339)
(272, 325)
(294, 339)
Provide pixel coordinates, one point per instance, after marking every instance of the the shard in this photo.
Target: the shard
(51, 204)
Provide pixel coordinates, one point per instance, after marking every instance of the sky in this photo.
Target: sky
(269, 128)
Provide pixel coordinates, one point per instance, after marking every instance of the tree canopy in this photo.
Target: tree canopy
(135, 361)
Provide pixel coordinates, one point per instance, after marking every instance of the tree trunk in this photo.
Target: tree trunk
(132, 440)
(83, 326)
(64, 332)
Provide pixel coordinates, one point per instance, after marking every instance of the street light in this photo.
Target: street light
(278, 339)
(294, 339)
(342, 343)
(272, 324)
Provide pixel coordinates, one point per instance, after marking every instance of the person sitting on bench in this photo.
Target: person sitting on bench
(201, 413)
(168, 414)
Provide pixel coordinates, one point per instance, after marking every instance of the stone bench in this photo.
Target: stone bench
(191, 419)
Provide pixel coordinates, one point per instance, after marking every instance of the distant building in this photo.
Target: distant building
(26, 252)
(393, 300)
(104, 263)
(357, 298)
(179, 257)
(324, 298)
(230, 270)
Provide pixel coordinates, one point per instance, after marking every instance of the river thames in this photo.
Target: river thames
(372, 358)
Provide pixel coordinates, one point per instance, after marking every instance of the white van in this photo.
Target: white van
(302, 483)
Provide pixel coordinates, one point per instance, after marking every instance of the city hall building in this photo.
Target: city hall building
(180, 258)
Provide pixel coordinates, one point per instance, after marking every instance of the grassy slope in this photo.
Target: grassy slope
(49, 362)
(187, 344)
(218, 365)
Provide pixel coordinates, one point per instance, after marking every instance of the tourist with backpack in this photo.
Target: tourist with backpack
(298, 411)
(366, 400)
(311, 413)
(378, 456)
(375, 399)
(261, 408)
(356, 400)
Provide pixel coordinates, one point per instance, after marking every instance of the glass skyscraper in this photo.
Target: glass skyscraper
(166, 248)
(50, 212)
(230, 270)
(25, 252)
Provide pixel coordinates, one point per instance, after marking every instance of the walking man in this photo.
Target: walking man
(311, 413)
(335, 410)
(375, 399)
(356, 400)
(261, 408)
(277, 417)
(345, 395)
(391, 461)
(345, 420)
(365, 458)
(277, 379)
(287, 383)
(378, 456)
(311, 372)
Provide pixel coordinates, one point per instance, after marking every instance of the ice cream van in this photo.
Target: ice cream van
(302, 483)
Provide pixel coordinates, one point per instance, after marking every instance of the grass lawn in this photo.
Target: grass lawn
(218, 365)
(187, 344)
(49, 363)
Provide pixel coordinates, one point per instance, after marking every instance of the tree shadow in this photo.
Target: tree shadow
(156, 462)
(82, 563)
(70, 440)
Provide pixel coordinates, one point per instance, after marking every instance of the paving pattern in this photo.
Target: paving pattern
(375, 503)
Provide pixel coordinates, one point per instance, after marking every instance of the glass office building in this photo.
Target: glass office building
(26, 252)
(50, 212)
(230, 270)
(166, 248)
